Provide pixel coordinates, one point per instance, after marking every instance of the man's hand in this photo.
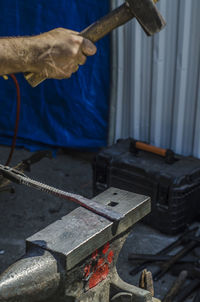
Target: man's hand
(54, 54)
(58, 53)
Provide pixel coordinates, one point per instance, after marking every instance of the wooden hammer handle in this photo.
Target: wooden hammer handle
(105, 25)
(94, 32)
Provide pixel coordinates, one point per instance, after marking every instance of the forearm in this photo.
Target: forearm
(16, 55)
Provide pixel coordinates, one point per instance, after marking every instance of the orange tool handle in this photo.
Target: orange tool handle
(150, 148)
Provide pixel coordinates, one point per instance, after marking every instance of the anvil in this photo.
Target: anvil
(74, 259)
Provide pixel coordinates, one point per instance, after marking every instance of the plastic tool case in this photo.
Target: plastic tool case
(172, 182)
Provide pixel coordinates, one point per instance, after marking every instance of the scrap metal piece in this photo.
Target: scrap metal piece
(74, 259)
(146, 281)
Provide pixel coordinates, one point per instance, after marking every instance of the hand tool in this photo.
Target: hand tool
(74, 258)
(24, 165)
(166, 250)
(105, 211)
(197, 297)
(176, 287)
(187, 290)
(144, 11)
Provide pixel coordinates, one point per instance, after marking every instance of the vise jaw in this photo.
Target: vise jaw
(74, 259)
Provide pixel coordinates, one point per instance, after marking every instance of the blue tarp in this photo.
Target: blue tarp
(68, 113)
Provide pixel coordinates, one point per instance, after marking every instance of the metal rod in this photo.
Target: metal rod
(195, 284)
(157, 258)
(164, 251)
(176, 287)
(165, 267)
(89, 204)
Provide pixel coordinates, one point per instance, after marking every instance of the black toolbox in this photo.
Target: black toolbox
(172, 182)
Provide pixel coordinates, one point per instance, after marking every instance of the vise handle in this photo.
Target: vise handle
(105, 25)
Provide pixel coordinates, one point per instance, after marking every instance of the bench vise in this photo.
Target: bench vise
(74, 259)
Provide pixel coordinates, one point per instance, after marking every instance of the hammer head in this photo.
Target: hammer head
(147, 14)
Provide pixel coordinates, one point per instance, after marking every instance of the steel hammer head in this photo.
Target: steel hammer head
(147, 14)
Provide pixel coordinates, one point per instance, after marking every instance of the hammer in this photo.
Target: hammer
(144, 11)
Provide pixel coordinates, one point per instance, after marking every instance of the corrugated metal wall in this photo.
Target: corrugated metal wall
(156, 81)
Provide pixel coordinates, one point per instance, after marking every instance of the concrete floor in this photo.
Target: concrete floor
(26, 211)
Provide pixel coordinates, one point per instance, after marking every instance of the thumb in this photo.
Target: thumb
(88, 48)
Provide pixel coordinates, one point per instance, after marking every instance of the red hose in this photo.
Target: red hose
(17, 119)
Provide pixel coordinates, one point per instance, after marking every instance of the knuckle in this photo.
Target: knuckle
(56, 30)
(81, 40)
(77, 41)
(60, 29)
(74, 50)
(83, 60)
